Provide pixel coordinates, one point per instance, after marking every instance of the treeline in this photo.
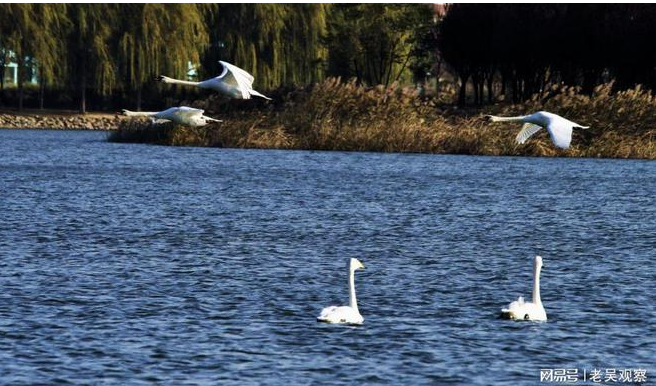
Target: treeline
(108, 54)
(517, 50)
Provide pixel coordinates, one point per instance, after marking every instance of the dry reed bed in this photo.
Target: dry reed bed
(335, 115)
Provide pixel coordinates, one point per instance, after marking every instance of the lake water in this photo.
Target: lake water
(135, 264)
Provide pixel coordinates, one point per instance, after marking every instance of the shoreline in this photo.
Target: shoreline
(127, 130)
(34, 119)
(339, 116)
(334, 115)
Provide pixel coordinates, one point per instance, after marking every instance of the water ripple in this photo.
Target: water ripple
(129, 264)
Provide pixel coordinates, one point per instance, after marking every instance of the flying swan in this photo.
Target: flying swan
(233, 82)
(182, 115)
(559, 128)
(345, 314)
(521, 310)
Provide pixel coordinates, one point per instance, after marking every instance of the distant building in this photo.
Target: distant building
(192, 72)
(11, 73)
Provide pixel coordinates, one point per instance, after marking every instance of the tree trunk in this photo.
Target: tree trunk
(42, 89)
(504, 79)
(462, 93)
(358, 75)
(19, 62)
(83, 96)
(20, 95)
(476, 82)
(2, 83)
(138, 98)
(83, 87)
(398, 76)
(3, 64)
(490, 91)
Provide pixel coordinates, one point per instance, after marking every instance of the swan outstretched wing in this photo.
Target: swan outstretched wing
(237, 77)
(238, 73)
(561, 132)
(527, 131)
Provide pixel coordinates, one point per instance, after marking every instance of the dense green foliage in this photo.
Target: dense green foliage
(108, 54)
(374, 42)
(157, 39)
(280, 44)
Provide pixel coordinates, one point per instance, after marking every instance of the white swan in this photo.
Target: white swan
(559, 128)
(183, 115)
(345, 314)
(233, 82)
(519, 309)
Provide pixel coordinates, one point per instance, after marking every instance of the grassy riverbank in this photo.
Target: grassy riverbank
(343, 116)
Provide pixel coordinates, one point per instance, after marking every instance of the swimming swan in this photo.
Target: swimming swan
(345, 314)
(182, 115)
(233, 82)
(519, 309)
(559, 128)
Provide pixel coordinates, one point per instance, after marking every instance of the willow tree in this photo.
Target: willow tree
(374, 42)
(48, 49)
(33, 34)
(280, 44)
(16, 24)
(89, 47)
(6, 54)
(304, 52)
(157, 39)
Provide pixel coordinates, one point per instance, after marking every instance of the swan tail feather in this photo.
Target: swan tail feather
(253, 92)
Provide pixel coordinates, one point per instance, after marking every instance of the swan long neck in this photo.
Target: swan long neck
(138, 113)
(177, 81)
(536, 285)
(508, 119)
(353, 301)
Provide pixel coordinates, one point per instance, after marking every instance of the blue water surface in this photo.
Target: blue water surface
(135, 264)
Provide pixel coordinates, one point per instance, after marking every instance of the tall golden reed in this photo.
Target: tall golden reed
(336, 115)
